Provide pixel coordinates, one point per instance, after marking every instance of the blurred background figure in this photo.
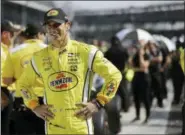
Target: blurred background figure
(24, 121)
(21, 37)
(7, 37)
(113, 54)
(177, 74)
(141, 83)
(155, 66)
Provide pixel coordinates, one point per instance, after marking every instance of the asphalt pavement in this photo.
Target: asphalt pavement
(165, 120)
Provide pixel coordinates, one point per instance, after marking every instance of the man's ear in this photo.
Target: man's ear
(68, 25)
(4, 34)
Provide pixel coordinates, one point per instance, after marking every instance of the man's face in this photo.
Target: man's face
(41, 36)
(152, 47)
(8, 37)
(56, 31)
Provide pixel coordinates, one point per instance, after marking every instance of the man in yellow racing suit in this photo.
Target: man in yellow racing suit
(66, 68)
(17, 59)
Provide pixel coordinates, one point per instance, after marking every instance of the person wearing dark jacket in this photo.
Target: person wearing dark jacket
(118, 56)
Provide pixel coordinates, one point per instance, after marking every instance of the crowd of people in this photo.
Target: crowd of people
(50, 85)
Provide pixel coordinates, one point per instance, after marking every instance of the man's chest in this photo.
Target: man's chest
(71, 62)
(63, 72)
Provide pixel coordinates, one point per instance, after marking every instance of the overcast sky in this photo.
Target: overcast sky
(94, 5)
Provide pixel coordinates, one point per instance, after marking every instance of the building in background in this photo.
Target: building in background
(166, 19)
(23, 12)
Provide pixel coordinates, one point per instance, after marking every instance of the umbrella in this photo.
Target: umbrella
(160, 43)
(130, 37)
(171, 46)
(165, 41)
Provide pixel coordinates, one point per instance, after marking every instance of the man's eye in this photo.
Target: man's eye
(56, 25)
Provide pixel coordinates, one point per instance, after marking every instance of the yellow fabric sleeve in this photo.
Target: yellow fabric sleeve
(25, 85)
(111, 75)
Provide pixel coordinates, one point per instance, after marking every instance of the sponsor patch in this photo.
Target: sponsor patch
(73, 60)
(46, 62)
(73, 68)
(73, 54)
(111, 87)
(52, 13)
(25, 60)
(62, 81)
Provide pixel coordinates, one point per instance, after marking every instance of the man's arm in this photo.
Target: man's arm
(25, 85)
(8, 71)
(167, 63)
(111, 75)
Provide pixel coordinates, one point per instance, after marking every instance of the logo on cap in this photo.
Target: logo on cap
(52, 13)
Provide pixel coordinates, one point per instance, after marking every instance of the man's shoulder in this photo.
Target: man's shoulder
(18, 48)
(40, 52)
(83, 46)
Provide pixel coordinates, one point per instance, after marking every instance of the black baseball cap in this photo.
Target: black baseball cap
(7, 25)
(56, 15)
(32, 30)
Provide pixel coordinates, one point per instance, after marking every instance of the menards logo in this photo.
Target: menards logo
(62, 81)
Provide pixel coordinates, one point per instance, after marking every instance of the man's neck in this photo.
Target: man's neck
(6, 44)
(61, 44)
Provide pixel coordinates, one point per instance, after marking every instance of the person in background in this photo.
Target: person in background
(25, 121)
(141, 82)
(165, 64)
(118, 56)
(177, 75)
(7, 36)
(155, 66)
(20, 38)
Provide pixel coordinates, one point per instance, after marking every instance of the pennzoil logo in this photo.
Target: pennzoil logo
(62, 81)
(52, 13)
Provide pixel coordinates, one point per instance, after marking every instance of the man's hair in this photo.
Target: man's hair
(115, 41)
(32, 30)
(7, 25)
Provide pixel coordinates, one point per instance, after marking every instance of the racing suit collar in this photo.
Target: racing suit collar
(31, 40)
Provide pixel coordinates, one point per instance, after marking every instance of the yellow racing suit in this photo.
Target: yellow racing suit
(67, 77)
(4, 53)
(18, 58)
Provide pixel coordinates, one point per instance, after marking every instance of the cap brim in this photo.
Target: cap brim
(12, 29)
(55, 20)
